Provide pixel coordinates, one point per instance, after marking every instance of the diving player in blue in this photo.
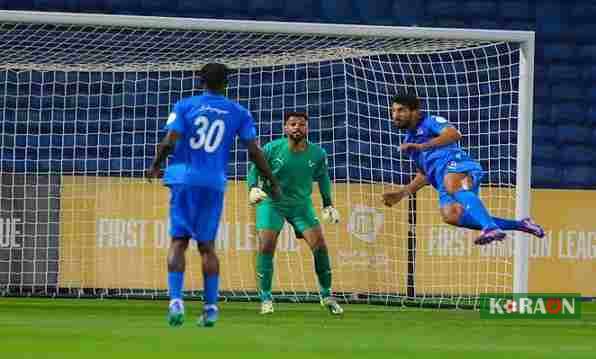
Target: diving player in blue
(201, 132)
(431, 142)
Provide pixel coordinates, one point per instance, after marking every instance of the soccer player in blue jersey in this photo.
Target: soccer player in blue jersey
(201, 131)
(431, 142)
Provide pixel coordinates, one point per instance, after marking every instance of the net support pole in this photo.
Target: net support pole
(524, 163)
(411, 277)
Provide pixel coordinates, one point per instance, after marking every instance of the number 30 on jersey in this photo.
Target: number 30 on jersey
(208, 135)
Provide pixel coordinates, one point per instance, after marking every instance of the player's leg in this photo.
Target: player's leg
(269, 224)
(176, 261)
(205, 213)
(176, 267)
(210, 266)
(459, 186)
(453, 213)
(265, 255)
(306, 222)
(468, 211)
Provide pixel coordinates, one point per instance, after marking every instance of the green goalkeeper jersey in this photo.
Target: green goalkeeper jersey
(295, 172)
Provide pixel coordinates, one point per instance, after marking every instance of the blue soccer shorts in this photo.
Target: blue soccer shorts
(195, 212)
(458, 165)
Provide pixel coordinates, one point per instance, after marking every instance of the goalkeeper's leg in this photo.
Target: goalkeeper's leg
(267, 244)
(269, 223)
(315, 239)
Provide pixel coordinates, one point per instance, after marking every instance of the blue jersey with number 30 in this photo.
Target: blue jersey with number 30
(208, 126)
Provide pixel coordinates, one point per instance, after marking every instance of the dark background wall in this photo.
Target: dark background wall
(565, 91)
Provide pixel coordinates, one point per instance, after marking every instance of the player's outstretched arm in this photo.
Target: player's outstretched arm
(392, 198)
(258, 158)
(164, 148)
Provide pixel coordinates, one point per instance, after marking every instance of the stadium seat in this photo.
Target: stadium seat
(477, 9)
(577, 155)
(562, 73)
(261, 7)
(557, 51)
(407, 13)
(584, 10)
(583, 177)
(542, 113)
(586, 52)
(443, 9)
(374, 12)
(301, 10)
(333, 10)
(544, 134)
(518, 10)
(568, 113)
(567, 91)
(546, 176)
(573, 134)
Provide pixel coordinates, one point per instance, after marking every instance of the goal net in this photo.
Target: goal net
(83, 106)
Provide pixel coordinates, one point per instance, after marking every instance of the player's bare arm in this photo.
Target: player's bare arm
(163, 150)
(418, 182)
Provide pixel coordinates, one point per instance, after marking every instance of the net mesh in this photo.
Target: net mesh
(83, 107)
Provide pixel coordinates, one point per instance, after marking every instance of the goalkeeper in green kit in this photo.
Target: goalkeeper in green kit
(295, 163)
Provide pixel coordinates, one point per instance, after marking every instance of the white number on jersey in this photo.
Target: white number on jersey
(208, 136)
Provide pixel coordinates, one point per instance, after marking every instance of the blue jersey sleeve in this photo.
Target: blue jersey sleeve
(436, 124)
(247, 131)
(175, 120)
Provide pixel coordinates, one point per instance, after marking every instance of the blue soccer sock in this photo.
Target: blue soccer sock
(466, 221)
(508, 224)
(175, 284)
(474, 208)
(211, 287)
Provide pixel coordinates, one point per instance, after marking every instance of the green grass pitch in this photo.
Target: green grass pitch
(131, 329)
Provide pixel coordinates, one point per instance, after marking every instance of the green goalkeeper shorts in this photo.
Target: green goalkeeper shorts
(271, 217)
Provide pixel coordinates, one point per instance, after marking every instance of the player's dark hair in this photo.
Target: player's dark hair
(408, 100)
(214, 76)
(295, 114)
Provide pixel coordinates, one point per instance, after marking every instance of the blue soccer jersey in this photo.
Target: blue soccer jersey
(436, 162)
(208, 126)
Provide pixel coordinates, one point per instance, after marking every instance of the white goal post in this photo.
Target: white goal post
(85, 97)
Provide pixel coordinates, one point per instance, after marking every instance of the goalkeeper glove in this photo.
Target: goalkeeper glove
(256, 195)
(330, 215)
